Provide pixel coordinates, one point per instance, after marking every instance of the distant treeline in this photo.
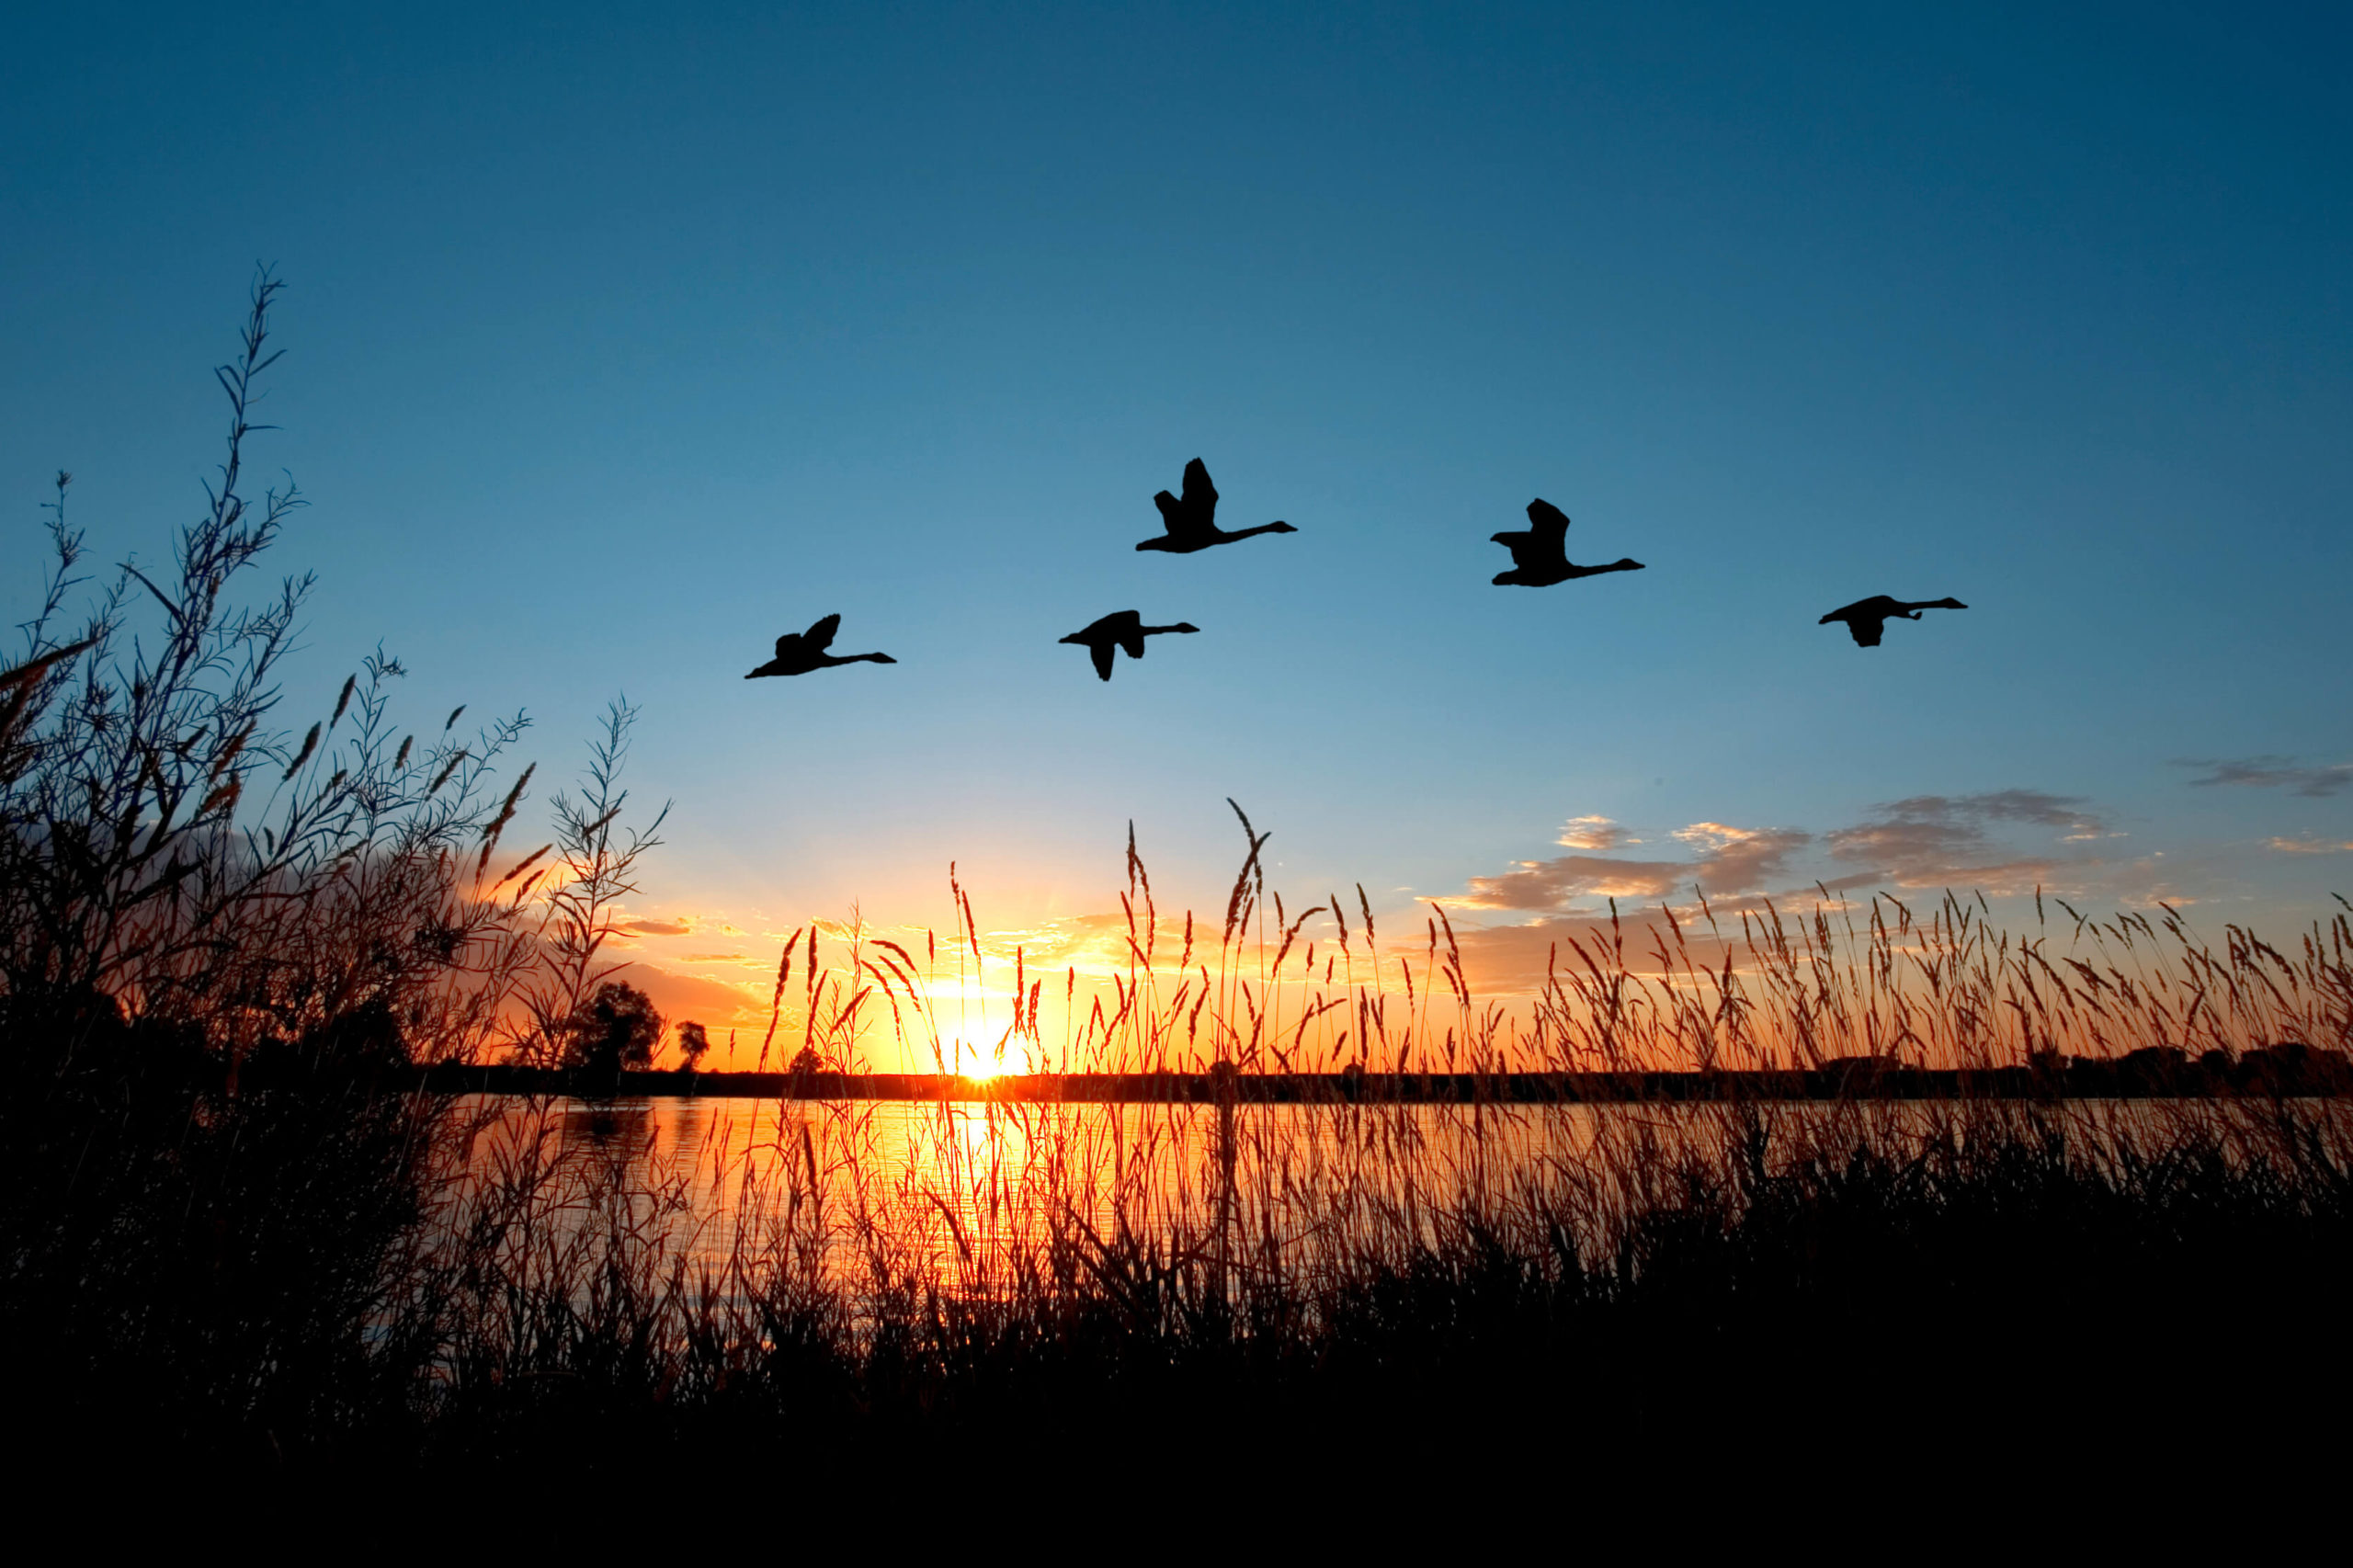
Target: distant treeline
(2156, 1072)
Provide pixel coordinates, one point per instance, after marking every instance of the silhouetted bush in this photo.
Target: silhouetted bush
(221, 946)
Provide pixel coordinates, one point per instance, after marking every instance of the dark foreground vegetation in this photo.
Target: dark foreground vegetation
(237, 1241)
(253, 1285)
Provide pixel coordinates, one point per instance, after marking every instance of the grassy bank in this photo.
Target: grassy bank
(1994, 1287)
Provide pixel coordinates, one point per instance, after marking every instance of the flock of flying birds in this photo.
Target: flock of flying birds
(1539, 559)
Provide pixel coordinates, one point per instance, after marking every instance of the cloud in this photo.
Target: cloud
(1741, 858)
(712, 1002)
(2307, 847)
(1593, 832)
(1944, 840)
(656, 927)
(1733, 859)
(1513, 960)
(2272, 773)
(743, 959)
(2002, 805)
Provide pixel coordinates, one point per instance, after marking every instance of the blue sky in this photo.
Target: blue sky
(622, 339)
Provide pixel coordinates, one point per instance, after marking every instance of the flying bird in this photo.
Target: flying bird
(1124, 629)
(1538, 555)
(1868, 618)
(1192, 522)
(798, 653)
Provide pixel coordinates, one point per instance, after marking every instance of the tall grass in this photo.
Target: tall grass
(1268, 989)
(1103, 1292)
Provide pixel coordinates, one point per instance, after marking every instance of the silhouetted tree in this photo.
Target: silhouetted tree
(806, 1060)
(693, 1042)
(615, 1028)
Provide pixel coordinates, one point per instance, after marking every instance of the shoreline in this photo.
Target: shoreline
(2275, 1073)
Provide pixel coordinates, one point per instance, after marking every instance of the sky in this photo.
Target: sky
(621, 339)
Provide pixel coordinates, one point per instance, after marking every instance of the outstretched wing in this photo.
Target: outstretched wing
(1867, 630)
(1124, 627)
(1201, 495)
(1172, 513)
(1101, 653)
(1522, 545)
(821, 634)
(788, 645)
(1549, 523)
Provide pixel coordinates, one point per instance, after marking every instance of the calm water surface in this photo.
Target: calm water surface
(968, 1183)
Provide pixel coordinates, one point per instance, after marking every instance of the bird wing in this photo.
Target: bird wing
(1201, 495)
(1525, 550)
(1549, 522)
(1101, 654)
(788, 645)
(1172, 513)
(820, 632)
(1867, 630)
(1544, 543)
(1125, 628)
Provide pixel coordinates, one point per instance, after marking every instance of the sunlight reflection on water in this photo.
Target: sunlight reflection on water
(966, 1188)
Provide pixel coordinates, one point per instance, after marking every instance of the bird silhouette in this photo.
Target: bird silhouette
(1124, 629)
(1538, 554)
(798, 653)
(1192, 522)
(1868, 618)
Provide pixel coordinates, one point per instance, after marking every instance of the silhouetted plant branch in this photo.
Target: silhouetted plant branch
(164, 844)
(597, 857)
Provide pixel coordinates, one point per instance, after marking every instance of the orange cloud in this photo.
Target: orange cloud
(1592, 832)
(1734, 861)
(682, 928)
(714, 1003)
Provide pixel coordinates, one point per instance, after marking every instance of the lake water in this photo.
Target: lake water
(967, 1189)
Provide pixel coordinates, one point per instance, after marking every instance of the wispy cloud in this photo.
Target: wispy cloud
(1982, 841)
(685, 928)
(2002, 805)
(1513, 959)
(2308, 846)
(1732, 860)
(2272, 773)
(712, 1002)
(1947, 840)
